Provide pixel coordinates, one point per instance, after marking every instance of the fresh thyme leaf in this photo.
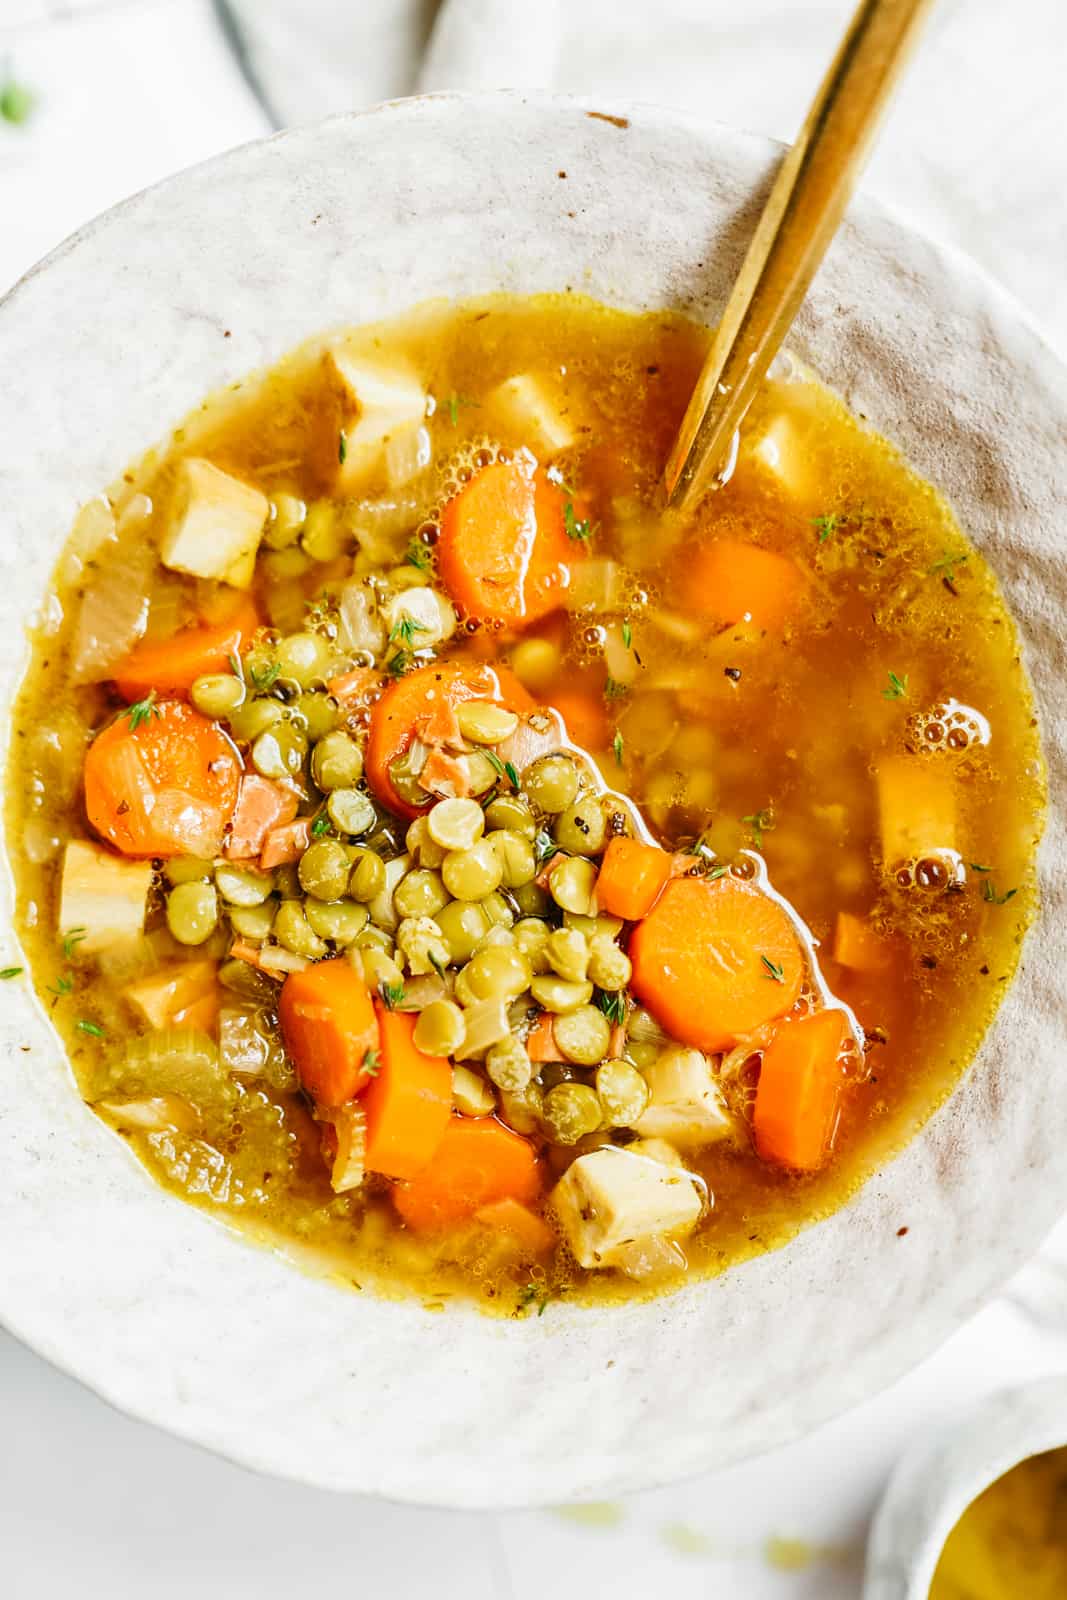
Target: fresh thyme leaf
(504, 769)
(533, 1294)
(977, 867)
(143, 711)
(399, 663)
(613, 690)
(16, 102)
(825, 526)
(405, 630)
(898, 687)
(392, 994)
(372, 1063)
(577, 528)
(760, 822)
(946, 567)
(773, 970)
(613, 1005)
(71, 940)
(617, 746)
(417, 556)
(321, 825)
(342, 447)
(627, 635)
(63, 985)
(545, 846)
(236, 667)
(264, 678)
(719, 870)
(555, 475)
(989, 892)
(92, 1028)
(438, 966)
(10, 972)
(454, 403)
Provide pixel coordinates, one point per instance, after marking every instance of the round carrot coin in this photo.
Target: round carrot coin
(713, 961)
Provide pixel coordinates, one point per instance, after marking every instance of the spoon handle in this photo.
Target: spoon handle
(801, 216)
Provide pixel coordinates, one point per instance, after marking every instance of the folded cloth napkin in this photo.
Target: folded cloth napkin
(972, 150)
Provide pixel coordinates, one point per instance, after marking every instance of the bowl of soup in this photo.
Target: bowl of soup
(486, 950)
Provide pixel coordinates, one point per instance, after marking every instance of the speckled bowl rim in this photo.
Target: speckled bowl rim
(164, 1311)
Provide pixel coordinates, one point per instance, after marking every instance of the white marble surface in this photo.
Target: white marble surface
(126, 94)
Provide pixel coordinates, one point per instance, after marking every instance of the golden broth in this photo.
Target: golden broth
(752, 739)
(1012, 1541)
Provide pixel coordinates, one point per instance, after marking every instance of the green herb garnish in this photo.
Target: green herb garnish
(545, 847)
(10, 972)
(264, 678)
(63, 985)
(504, 769)
(614, 690)
(405, 630)
(455, 402)
(613, 1004)
(898, 687)
(143, 711)
(236, 667)
(976, 866)
(372, 1063)
(321, 825)
(989, 892)
(627, 635)
(826, 526)
(93, 1028)
(342, 447)
(392, 994)
(533, 1294)
(399, 663)
(617, 747)
(70, 940)
(760, 822)
(417, 556)
(946, 567)
(577, 528)
(773, 970)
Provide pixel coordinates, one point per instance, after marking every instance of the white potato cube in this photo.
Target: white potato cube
(525, 405)
(419, 618)
(378, 403)
(104, 894)
(609, 1198)
(781, 451)
(215, 526)
(687, 1106)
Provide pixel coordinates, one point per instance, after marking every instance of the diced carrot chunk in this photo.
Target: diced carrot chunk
(799, 1091)
(736, 582)
(261, 806)
(285, 844)
(856, 945)
(330, 1030)
(632, 877)
(408, 1102)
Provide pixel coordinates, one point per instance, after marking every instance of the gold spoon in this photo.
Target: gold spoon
(802, 214)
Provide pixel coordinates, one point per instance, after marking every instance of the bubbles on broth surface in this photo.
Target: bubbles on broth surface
(948, 728)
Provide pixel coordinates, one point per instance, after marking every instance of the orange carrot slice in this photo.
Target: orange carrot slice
(799, 1091)
(408, 1103)
(330, 1030)
(356, 686)
(477, 1162)
(584, 716)
(503, 554)
(396, 718)
(632, 877)
(163, 783)
(261, 806)
(541, 1044)
(713, 961)
(171, 666)
(285, 844)
(732, 581)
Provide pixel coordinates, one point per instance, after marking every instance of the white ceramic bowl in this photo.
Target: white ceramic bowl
(936, 1482)
(166, 1312)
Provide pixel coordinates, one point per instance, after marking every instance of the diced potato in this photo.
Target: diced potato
(687, 1106)
(917, 808)
(780, 450)
(609, 1198)
(164, 995)
(526, 407)
(423, 614)
(104, 894)
(215, 525)
(377, 403)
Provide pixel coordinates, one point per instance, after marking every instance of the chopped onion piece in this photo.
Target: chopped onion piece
(650, 1258)
(350, 1125)
(598, 584)
(361, 628)
(407, 454)
(113, 615)
(152, 1113)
